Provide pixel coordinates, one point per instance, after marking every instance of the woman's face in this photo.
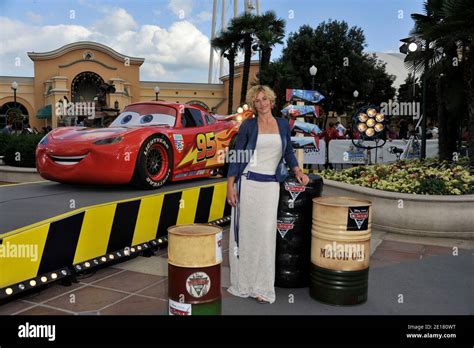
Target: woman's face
(262, 104)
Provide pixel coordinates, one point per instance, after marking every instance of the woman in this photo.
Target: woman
(253, 191)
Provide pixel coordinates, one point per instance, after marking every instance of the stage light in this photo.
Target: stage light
(371, 112)
(369, 132)
(87, 264)
(21, 286)
(379, 117)
(54, 276)
(33, 282)
(103, 259)
(9, 291)
(361, 127)
(370, 122)
(363, 117)
(379, 127)
(44, 279)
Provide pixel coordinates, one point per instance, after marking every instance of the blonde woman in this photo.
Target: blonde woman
(253, 191)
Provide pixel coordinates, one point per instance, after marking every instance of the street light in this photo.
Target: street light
(157, 91)
(14, 87)
(313, 70)
(355, 93)
(411, 45)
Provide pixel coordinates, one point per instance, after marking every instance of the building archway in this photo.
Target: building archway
(85, 87)
(9, 108)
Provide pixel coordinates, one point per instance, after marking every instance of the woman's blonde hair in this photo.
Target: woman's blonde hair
(252, 95)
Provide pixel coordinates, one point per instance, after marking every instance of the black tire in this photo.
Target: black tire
(154, 163)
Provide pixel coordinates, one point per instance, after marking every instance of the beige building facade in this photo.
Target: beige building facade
(84, 72)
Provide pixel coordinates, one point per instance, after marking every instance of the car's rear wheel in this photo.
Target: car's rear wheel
(154, 163)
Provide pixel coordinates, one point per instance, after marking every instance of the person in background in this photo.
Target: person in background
(403, 132)
(8, 129)
(340, 129)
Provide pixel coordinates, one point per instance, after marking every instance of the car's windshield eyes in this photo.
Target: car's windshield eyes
(146, 119)
(126, 119)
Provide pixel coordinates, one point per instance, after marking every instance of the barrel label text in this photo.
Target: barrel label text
(178, 308)
(343, 252)
(358, 219)
(283, 226)
(294, 190)
(198, 284)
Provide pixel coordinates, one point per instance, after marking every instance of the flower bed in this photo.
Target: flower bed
(426, 177)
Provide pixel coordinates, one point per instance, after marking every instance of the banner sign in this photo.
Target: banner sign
(309, 96)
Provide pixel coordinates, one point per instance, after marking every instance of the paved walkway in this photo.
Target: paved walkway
(408, 275)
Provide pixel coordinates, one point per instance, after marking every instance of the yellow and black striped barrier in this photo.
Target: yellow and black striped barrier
(54, 248)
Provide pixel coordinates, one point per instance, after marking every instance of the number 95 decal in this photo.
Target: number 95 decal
(206, 146)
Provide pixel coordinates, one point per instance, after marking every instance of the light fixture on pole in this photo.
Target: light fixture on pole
(14, 88)
(313, 71)
(157, 91)
(411, 45)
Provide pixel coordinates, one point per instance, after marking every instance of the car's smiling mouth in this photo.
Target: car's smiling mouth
(67, 160)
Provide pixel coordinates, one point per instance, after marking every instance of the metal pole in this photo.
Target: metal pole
(423, 108)
(223, 28)
(312, 82)
(258, 7)
(213, 35)
(236, 8)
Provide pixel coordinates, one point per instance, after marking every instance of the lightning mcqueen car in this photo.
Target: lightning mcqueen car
(146, 145)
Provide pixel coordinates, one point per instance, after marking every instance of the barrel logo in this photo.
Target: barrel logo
(198, 284)
(284, 227)
(358, 219)
(294, 191)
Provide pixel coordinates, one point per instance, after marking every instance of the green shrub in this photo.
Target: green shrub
(4, 140)
(20, 150)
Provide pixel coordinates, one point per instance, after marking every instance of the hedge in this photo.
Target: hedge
(19, 150)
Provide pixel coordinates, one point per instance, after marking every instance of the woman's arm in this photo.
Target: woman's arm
(290, 158)
(240, 144)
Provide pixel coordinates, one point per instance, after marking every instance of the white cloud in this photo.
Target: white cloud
(181, 8)
(34, 17)
(116, 21)
(204, 16)
(177, 53)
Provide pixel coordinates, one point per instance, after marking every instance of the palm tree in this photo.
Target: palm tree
(269, 31)
(227, 43)
(244, 28)
(448, 29)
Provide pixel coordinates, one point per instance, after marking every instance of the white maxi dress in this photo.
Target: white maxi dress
(252, 273)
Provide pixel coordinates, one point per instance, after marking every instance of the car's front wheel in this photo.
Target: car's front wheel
(154, 163)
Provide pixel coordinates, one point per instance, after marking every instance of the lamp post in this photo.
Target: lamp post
(313, 70)
(14, 88)
(157, 91)
(411, 45)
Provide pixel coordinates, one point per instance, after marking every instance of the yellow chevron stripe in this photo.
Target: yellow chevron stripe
(148, 219)
(188, 206)
(30, 245)
(95, 233)
(73, 212)
(218, 201)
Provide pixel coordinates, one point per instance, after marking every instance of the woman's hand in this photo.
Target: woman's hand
(231, 195)
(300, 176)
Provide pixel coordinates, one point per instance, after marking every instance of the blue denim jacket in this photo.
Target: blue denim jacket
(247, 140)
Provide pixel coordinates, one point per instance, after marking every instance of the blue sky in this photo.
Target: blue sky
(173, 35)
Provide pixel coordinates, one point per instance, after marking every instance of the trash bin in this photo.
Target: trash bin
(293, 244)
(340, 250)
(194, 269)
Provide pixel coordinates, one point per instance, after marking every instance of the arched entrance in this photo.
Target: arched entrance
(16, 113)
(85, 87)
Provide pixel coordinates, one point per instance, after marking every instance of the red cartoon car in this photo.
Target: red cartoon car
(146, 145)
